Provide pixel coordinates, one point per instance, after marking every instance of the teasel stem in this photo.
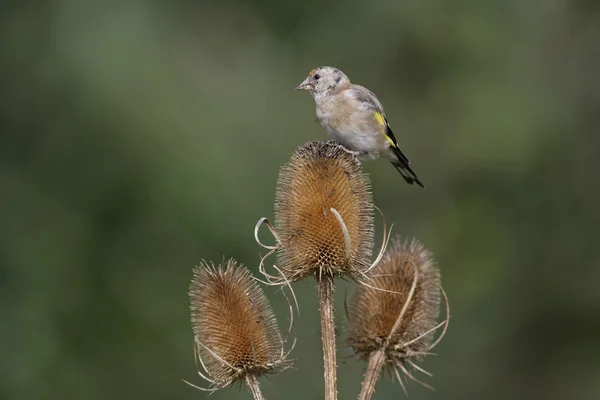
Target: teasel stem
(376, 363)
(254, 385)
(326, 289)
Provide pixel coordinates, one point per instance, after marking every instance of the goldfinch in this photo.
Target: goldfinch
(353, 117)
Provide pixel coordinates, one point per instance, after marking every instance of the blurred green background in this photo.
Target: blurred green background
(140, 137)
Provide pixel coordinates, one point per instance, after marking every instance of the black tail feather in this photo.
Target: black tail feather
(407, 173)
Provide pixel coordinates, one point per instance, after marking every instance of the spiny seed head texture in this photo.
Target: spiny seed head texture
(232, 317)
(321, 176)
(373, 313)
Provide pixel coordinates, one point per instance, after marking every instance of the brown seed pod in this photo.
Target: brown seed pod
(396, 312)
(235, 331)
(323, 213)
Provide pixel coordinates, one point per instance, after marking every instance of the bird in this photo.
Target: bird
(353, 116)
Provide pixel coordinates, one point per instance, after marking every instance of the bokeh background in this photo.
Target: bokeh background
(140, 137)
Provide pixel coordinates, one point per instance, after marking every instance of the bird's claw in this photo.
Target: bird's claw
(353, 153)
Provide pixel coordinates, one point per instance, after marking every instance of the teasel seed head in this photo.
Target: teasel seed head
(235, 330)
(397, 311)
(323, 213)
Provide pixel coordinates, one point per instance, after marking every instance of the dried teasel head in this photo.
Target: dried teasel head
(323, 213)
(397, 311)
(235, 331)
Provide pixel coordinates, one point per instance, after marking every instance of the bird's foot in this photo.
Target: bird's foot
(354, 153)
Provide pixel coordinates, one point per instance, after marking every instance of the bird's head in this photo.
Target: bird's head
(323, 80)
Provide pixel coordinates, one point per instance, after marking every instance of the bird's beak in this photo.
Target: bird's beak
(305, 85)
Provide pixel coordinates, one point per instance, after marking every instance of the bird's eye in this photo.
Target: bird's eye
(317, 76)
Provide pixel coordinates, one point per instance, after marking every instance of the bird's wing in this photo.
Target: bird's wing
(368, 101)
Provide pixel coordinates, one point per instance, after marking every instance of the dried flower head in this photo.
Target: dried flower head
(235, 331)
(323, 213)
(396, 313)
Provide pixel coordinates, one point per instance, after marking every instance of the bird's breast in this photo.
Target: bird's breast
(354, 131)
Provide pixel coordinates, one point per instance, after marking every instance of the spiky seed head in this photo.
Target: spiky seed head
(374, 310)
(235, 331)
(319, 177)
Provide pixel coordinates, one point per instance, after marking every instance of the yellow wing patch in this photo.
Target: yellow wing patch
(381, 120)
(389, 139)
